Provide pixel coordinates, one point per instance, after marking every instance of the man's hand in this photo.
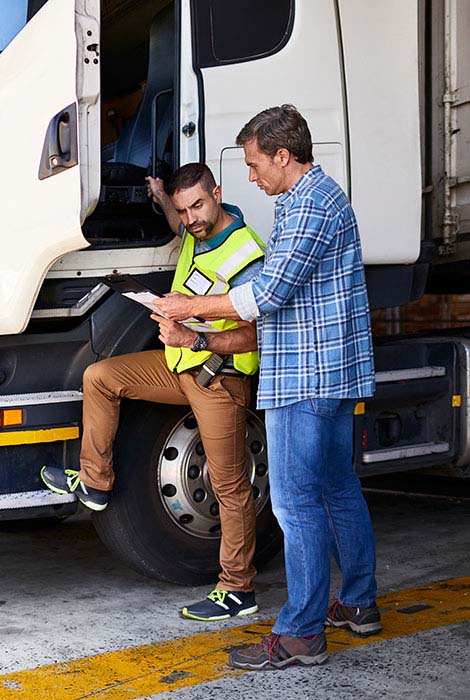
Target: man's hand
(175, 306)
(174, 334)
(211, 307)
(236, 340)
(156, 190)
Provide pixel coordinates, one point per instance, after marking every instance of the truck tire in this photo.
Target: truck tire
(162, 518)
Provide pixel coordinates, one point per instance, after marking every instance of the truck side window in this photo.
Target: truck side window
(230, 32)
(14, 14)
(34, 6)
(13, 17)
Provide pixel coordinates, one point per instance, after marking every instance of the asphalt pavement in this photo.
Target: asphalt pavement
(63, 598)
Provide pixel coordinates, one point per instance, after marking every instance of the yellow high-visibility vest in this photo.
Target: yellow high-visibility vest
(210, 272)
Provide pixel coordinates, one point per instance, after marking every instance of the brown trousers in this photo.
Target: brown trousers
(220, 410)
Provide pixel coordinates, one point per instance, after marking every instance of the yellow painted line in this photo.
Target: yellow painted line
(28, 437)
(165, 666)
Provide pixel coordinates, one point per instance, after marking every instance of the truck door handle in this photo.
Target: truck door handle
(189, 129)
(60, 149)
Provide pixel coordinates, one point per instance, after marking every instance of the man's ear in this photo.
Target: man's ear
(217, 193)
(283, 157)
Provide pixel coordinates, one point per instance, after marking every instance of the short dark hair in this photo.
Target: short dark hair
(189, 175)
(279, 127)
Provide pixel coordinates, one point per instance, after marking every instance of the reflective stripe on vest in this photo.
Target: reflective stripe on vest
(214, 269)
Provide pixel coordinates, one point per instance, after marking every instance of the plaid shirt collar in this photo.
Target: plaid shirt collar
(306, 180)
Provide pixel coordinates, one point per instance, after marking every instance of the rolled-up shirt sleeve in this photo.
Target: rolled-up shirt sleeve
(244, 301)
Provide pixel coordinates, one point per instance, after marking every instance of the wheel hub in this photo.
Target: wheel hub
(183, 476)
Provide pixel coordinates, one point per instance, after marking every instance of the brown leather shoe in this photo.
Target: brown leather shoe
(277, 651)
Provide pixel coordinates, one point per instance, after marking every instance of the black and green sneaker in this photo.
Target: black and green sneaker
(68, 481)
(220, 605)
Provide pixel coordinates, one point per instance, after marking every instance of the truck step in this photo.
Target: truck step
(41, 397)
(405, 452)
(32, 499)
(402, 375)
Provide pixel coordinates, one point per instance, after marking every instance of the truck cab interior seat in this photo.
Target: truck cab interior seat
(124, 211)
(134, 145)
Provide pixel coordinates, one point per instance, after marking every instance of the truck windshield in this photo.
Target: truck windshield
(13, 17)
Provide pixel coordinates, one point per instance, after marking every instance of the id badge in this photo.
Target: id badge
(197, 283)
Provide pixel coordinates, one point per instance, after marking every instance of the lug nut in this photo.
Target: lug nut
(169, 490)
(193, 471)
(170, 453)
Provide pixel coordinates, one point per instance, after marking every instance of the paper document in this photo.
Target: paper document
(130, 287)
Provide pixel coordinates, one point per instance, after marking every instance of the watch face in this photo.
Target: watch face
(200, 343)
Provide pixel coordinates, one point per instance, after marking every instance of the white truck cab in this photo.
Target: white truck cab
(196, 72)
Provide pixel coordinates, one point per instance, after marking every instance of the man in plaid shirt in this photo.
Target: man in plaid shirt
(316, 360)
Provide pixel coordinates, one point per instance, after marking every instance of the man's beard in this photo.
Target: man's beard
(204, 229)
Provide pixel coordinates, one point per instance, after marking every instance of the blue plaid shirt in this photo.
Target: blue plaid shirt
(314, 333)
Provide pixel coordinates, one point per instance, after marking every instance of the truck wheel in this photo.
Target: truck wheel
(162, 519)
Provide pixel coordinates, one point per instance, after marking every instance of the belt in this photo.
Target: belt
(232, 372)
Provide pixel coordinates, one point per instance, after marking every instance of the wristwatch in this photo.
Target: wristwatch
(200, 342)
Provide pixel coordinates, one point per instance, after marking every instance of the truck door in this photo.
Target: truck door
(49, 143)
(249, 55)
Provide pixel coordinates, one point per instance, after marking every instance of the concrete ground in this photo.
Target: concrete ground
(63, 597)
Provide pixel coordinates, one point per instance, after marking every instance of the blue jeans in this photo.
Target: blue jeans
(317, 499)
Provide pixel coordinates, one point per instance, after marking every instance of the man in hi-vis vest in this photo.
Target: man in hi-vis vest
(209, 371)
